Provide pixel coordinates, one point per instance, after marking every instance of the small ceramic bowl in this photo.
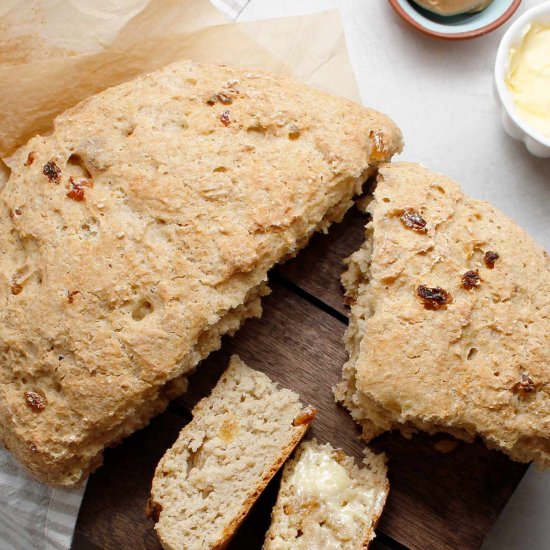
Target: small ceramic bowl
(515, 126)
(456, 27)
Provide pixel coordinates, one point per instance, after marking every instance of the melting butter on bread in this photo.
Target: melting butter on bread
(327, 501)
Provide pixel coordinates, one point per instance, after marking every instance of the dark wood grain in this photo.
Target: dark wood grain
(458, 499)
(317, 269)
(437, 501)
(81, 542)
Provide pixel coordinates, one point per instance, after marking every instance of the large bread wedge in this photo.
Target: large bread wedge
(142, 229)
(450, 319)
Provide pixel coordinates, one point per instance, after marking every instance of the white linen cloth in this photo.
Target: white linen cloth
(34, 516)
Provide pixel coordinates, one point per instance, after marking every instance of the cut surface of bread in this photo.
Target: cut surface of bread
(131, 237)
(222, 460)
(450, 319)
(326, 501)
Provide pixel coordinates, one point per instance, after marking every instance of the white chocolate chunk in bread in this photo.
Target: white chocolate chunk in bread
(238, 439)
(326, 501)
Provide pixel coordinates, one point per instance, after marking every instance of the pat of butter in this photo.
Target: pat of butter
(528, 76)
(351, 512)
(319, 476)
(333, 505)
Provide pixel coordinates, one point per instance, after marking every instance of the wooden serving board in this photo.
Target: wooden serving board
(437, 501)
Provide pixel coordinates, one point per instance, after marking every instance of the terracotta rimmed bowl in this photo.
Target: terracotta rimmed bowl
(456, 27)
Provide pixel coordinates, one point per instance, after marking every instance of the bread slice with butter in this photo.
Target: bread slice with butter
(142, 229)
(450, 319)
(327, 501)
(222, 460)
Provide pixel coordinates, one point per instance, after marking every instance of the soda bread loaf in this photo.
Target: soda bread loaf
(326, 501)
(222, 460)
(142, 229)
(450, 319)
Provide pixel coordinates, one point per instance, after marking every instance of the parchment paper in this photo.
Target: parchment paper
(55, 53)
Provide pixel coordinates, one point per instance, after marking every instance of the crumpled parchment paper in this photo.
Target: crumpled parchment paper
(55, 53)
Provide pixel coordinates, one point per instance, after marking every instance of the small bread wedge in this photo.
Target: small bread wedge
(450, 319)
(326, 501)
(238, 439)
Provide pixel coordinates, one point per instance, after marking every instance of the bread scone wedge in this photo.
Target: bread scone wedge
(142, 229)
(238, 439)
(327, 501)
(450, 319)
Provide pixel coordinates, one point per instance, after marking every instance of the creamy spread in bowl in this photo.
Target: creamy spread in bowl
(528, 76)
(522, 79)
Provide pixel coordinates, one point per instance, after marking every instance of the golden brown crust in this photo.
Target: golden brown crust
(145, 218)
(281, 459)
(475, 364)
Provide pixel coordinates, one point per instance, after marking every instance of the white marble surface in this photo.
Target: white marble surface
(440, 94)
